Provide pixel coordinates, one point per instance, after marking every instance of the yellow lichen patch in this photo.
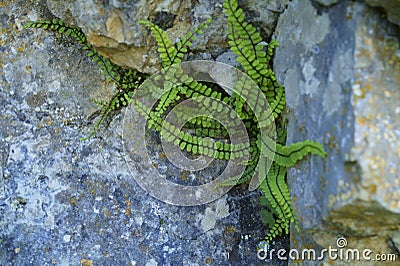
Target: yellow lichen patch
(372, 189)
(387, 93)
(128, 210)
(72, 201)
(362, 52)
(395, 204)
(332, 143)
(230, 229)
(101, 11)
(345, 196)
(396, 182)
(362, 120)
(377, 78)
(332, 200)
(377, 164)
(86, 262)
(184, 175)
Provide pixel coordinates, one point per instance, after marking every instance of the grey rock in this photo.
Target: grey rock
(63, 201)
(327, 2)
(112, 26)
(67, 202)
(392, 8)
(346, 96)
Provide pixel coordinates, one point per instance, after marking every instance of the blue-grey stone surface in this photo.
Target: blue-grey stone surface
(68, 202)
(391, 7)
(340, 66)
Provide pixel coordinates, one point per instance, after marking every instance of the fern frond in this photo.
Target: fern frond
(258, 147)
(289, 155)
(246, 42)
(100, 103)
(279, 102)
(182, 45)
(59, 26)
(277, 193)
(123, 78)
(251, 167)
(191, 143)
(166, 50)
(118, 101)
(248, 35)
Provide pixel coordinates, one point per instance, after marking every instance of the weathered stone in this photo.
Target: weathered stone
(392, 8)
(114, 29)
(339, 62)
(345, 94)
(67, 202)
(327, 2)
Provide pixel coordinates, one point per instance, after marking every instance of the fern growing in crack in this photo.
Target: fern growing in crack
(254, 56)
(247, 44)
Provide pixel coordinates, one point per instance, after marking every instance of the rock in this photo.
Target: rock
(339, 62)
(392, 8)
(327, 2)
(114, 29)
(67, 202)
(345, 94)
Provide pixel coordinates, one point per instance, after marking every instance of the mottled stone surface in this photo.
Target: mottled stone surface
(113, 26)
(392, 9)
(376, 98)
(340, 67)
(67, 202)
(327, 2)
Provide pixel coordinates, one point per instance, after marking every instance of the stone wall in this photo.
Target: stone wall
(68, 202)
(63, 201)
(340, 62)
(115, 30)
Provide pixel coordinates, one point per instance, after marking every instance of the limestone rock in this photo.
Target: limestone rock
(114, 29)
(392, 8)
(339, 62)
(341, 68)
(67, 202)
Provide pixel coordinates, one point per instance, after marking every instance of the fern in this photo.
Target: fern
(264, 146)
(126, 80)
(173, 53)
(247, 44)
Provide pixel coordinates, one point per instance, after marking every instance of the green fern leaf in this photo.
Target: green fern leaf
(165, 48)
